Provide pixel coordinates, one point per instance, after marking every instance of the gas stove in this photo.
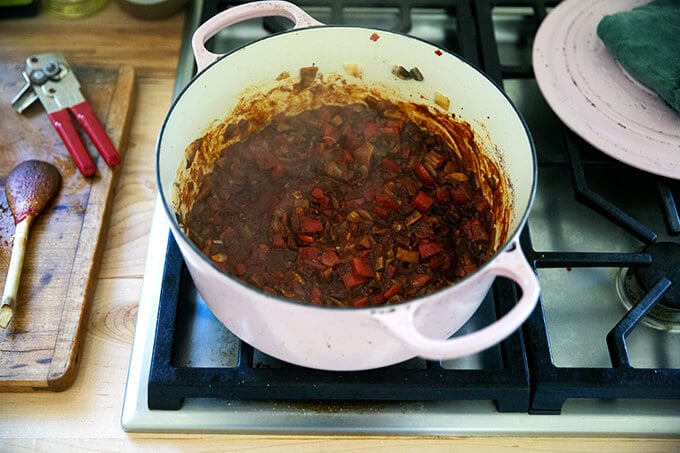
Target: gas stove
(600, 355)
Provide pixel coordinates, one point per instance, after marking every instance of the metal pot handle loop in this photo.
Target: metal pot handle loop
(511, 264)
(241, 13)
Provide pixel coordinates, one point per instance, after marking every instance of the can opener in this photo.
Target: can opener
(50, 79)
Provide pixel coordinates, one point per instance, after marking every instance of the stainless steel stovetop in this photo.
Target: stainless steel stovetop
(581, 251)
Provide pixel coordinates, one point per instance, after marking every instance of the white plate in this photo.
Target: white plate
(595, 98)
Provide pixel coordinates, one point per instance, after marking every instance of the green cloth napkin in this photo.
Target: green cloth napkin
(646, 42)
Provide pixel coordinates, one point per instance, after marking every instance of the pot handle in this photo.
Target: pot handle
(240, 13)
(512, 264)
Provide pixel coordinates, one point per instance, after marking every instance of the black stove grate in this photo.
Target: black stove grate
(508, 384)
(523, 377)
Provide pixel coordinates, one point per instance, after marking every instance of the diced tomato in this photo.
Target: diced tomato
(317, 194)
(387, 202)
(370, 129)
(423, 175)
(392, 291)
(382, 212)
(362, 268)
(474, 231)
(440, 261)
(460, 195)
(351, 281)
(329, 258)
(422, 201)
(419, 280)
(428, 249)
(310, 225)
(376, 299)
(390, 165)
(481, 206)
(361, 301)
(391, 271)
(240, 268)
(308, 254)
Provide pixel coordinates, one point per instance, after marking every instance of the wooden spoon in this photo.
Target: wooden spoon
(30, 186)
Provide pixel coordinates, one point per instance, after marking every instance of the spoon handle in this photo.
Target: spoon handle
(16, 263)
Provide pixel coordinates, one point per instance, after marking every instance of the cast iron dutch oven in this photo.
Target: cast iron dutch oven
(333, 338)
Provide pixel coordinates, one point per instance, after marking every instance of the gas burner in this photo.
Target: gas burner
(635, 282)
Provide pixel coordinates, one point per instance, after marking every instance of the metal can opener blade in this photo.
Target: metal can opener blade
(49, 78)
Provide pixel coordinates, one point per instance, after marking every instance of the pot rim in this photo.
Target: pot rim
(512, 234)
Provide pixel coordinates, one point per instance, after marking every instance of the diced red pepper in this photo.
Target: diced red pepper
(428, 249)
(240, 268)
(423, 175)
(422, 202)
(351, 281)
(390, 165)
(305, 238)
(310, 225)
(361, 301)
(392, 291)
(419, 280)
(362, 268)
(317, 194)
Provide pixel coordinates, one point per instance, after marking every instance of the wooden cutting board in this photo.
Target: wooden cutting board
(39, 349)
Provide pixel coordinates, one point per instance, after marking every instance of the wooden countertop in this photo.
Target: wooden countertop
(86, 417)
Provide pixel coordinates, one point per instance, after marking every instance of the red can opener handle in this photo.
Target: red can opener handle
(50, 79)
(61, 120)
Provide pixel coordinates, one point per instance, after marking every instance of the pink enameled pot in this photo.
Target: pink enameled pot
(352, 338)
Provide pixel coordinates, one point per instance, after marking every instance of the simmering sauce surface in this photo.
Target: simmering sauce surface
(347, 205)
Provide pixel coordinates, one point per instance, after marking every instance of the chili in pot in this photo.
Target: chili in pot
(348, 205)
